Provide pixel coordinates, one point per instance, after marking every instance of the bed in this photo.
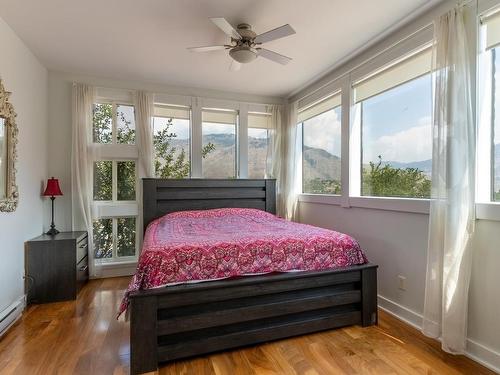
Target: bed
(192, 295)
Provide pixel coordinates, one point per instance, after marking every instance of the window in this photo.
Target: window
(488, 147)
(107, 131)
(102, 124)
(321, 144)
(115, 184)
(115, 177)
(125, 124)
(259, 147)
(115, 238)
(219, 143)
(107, 187)
(171, 138)
(495, 54)
(394, 108)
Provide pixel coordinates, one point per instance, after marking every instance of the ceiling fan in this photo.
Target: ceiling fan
(245, 43)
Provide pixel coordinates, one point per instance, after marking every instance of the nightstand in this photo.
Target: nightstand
(56, 266)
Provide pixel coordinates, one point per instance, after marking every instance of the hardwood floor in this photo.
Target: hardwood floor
(83, 337)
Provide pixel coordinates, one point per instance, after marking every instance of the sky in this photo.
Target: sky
(179, 127)
(324, 131)
(213, 128)
(397, 123)
(128, 114)
(257, 133)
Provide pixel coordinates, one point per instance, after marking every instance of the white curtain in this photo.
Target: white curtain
(276, 112)
(81, 165)
(452, 215)
(144, 111)
(286, 164)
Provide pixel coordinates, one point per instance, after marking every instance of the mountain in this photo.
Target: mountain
(318, 163)
(424, 165)
(221, 161)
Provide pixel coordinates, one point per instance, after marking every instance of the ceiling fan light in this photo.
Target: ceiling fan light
(243, 54)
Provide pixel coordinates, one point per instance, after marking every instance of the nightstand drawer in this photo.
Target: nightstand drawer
(82, 249)
(82, 273)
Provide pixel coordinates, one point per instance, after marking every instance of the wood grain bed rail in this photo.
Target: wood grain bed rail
(192, 319)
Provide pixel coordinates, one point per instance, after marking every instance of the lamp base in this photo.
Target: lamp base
(52, 232)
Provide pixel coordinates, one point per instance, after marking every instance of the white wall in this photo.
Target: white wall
(397, 242)
(26, 78)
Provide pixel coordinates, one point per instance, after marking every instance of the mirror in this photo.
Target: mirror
(9, 195)
(3, 159)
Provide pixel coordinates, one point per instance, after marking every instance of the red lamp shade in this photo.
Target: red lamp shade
(52, 188)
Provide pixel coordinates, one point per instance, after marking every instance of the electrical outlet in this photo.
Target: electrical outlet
(401, 282)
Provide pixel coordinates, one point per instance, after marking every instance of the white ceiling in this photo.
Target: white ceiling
(146, 40)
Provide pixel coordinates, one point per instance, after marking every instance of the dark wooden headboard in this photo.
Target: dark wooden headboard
(162, 196)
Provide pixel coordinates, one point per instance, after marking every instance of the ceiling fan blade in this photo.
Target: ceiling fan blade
(235, 66)
(273, 56)
(274, 34)
(207, 48)
(225, 26)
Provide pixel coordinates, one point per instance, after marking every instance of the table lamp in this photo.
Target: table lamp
(52, 190)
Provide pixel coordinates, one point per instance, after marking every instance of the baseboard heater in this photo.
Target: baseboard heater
(10, 315)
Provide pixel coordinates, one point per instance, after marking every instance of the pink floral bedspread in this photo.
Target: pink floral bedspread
(192, 246)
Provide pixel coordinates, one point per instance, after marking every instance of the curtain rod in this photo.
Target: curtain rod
(181, 95)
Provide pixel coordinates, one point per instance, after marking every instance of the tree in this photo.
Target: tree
(388, 181)
(322, 186)
(103, 185)
(168, 162)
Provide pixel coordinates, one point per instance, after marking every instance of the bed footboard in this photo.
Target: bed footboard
(188, 320)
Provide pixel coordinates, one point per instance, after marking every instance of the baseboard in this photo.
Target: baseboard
(401, 312)
(476, 351)
(482, 354)
(10, 315)
(115, 270)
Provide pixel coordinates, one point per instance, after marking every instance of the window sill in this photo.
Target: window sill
(119, 264)
(321, 198)
(484, 211)
(103, 209)
(488, 211)
(419, 206)
(116, 269)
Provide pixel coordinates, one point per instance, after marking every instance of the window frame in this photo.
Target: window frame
(486, 207)
(359, 193)
(269, 138)
(300, 134)
(350, 145)
(114, 123)
(190, 110)
(237, 141)
(114, 209)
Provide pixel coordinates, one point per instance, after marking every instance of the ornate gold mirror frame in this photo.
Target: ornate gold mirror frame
(9, 195)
